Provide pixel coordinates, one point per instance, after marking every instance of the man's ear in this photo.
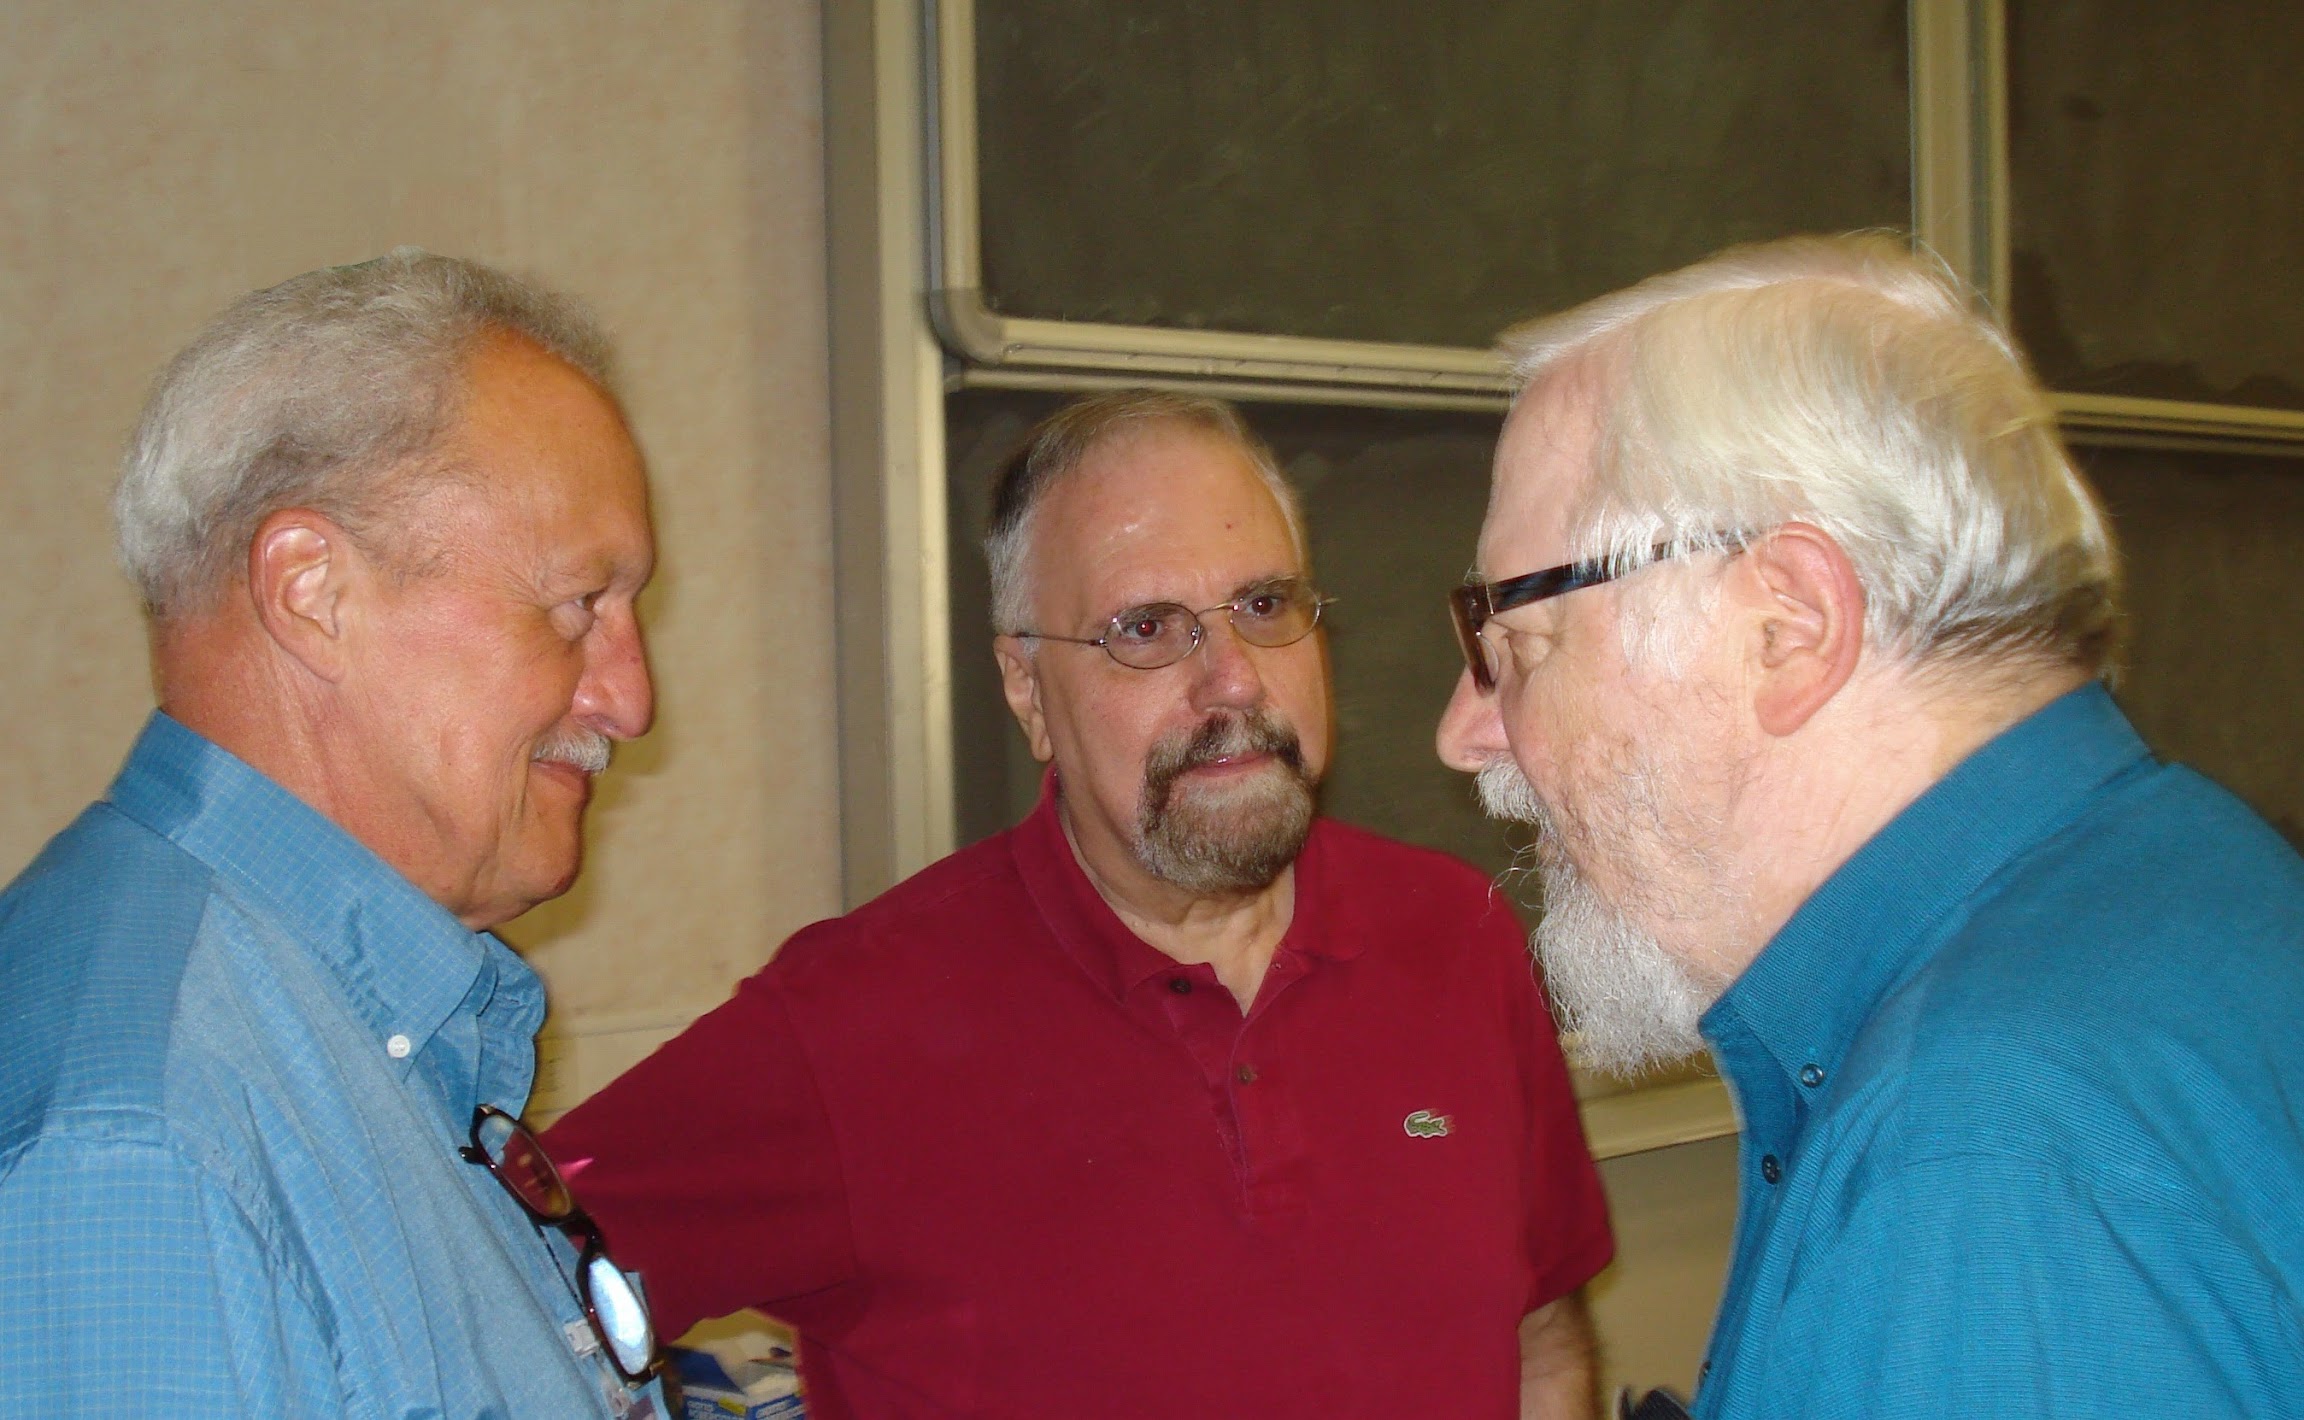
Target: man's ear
(303, 572)
(1020, 682)
(1808, 620)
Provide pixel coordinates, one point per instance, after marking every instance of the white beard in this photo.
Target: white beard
(1632, 1003)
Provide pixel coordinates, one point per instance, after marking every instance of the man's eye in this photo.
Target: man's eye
(574, 618)
(1527, 650)
(1264, 606)
(1139, 626)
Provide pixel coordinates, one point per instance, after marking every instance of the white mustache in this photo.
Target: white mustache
(1505, 793)
(585, 749)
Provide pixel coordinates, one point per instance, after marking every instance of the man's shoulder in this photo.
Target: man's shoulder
(2168, 885)
(2152, 951)
(95, 938)
(974, 890)
(1399, 878)
(1359, 847)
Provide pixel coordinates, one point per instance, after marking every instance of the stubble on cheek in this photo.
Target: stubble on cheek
(1645, 807)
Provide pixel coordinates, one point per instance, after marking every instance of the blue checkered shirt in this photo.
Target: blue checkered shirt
(237, 1055)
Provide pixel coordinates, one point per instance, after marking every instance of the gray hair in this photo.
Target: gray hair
(1848, 383)
(317, 393)
(1063, 441)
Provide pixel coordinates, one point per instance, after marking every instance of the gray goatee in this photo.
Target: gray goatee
(1231, 837)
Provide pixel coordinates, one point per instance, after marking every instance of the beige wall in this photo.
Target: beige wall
(662, 161)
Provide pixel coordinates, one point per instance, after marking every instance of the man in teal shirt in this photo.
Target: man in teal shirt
(1788, 624)
(389, 527)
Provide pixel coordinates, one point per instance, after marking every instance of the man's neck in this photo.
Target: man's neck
(1863, 764)
(218, 678)
(1236, 934)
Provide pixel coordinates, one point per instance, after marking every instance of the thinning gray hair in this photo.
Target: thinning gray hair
(325, 391)
(1849, 383)
(1063, 441)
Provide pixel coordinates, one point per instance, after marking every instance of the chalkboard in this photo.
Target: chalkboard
(2215, 595)
(2156, 193)
(1395, 171)
(2213, 674)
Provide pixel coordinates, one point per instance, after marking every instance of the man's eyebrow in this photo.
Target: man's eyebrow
(1264, 584)
(564, 573)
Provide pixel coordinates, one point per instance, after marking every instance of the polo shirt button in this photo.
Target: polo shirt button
(1811, 1075)
(1245, 1074)
(397, 1047)
(1181, 985)
(1770, 1169)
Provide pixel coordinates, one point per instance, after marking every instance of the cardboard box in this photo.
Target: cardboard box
(718, 1385)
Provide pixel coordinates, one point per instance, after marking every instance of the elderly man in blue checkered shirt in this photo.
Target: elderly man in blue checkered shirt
(261, 1056)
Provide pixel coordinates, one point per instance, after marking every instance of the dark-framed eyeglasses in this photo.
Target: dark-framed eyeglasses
(1145, 638)
(514, 1156)
(1473, 604)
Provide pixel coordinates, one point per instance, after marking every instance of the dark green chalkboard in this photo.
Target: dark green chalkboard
(2156, 175)
(2215, 595)
(1405, 170)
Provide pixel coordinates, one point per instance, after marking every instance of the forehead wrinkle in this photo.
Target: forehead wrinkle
(1121, 561)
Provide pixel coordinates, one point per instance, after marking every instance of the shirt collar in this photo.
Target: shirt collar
(1883, 914)
(465, 1005)
(1093, 934)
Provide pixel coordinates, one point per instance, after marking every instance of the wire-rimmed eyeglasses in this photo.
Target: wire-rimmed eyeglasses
(1471, 605)
(516, 1158)
(1156, 634)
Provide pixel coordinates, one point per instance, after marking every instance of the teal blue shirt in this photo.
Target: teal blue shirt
(237, 1055)
(2023, 1097)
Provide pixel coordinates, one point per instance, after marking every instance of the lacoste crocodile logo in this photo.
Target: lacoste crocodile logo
(1424, 1124)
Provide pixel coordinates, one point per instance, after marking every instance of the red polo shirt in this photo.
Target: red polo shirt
(994, 1155)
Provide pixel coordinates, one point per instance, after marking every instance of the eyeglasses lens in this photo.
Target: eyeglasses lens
(1467, 609)
(1152, 636)
(522, 1165)
(1276, 616)
(622, 1320)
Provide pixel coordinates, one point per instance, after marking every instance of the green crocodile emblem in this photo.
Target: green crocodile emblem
(1424, 1124)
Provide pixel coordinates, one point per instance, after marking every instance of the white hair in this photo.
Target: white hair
(1063, 441)
(1848, 383)
(321, 392)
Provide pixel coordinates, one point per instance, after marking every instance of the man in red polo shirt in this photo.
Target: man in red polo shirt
(1172, 1101)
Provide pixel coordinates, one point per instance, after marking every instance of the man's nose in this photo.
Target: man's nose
(1471, 729)
(617, 695)
(1224, 672)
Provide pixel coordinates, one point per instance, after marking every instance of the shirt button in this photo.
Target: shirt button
(1811, 1075)
(1181, 985)
(397, 1047)
(1770, 1169)
(1245, 1074)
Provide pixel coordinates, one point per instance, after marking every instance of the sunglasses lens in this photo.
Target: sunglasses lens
(623, 1319)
